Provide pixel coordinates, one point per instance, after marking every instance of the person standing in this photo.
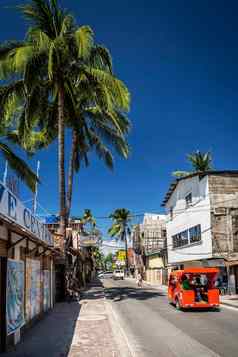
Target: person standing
(139, 280)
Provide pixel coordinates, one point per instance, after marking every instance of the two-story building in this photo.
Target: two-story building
(27, 268)
(149, 242)
(202, 223)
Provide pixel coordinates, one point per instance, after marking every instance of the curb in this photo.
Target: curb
(228, 304)
(119, 335)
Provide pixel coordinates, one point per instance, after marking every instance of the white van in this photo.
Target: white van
(118, 274)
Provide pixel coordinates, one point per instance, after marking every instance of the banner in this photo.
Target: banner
(121, 255)
(13, 208)
(33, 288)
(15, 295)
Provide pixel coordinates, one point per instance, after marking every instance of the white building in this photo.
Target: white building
(153, 232)
(202, 216)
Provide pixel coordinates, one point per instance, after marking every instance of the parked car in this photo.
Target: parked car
(100, 274)
(118, 274)
(107, 274)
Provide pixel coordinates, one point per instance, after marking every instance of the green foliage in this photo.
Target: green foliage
(180, 173)
(84, 40)
(99, 257)
(19, 166)
(88, 218)
(57, 55)
(201, 162)
(121, 218)
(108, 258)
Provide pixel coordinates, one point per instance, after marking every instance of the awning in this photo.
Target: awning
(231, 263)
(213, 263)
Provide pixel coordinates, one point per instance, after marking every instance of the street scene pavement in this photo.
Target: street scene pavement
(154, 328)
(82, 328)
(115, 318)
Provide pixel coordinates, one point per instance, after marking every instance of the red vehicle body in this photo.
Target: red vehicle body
(188, 298)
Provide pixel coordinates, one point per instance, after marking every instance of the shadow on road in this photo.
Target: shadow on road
(94, 291)
(122, 293)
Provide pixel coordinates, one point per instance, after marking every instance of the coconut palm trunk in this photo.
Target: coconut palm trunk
(126, 251)
(71, 173)
(61, 163)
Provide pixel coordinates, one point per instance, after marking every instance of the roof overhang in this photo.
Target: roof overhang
(200, 174)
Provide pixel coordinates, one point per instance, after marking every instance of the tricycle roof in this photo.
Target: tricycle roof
(195, 270)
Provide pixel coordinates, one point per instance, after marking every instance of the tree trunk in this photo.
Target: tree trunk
(71, 173)
(61, 163)
(126, 251)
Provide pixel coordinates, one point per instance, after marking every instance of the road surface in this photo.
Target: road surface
(153, 328)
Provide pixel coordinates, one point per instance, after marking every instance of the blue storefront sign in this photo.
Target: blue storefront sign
(13, 209)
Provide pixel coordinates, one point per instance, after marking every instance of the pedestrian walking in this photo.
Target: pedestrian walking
(139, 280)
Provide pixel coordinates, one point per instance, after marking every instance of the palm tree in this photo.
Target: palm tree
(121, 218)
(89, 218)
(201, 162)
(51, 63)
(96, 126)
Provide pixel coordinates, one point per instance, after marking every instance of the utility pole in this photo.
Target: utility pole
(5, 173)
(36, 188)
(230, 243)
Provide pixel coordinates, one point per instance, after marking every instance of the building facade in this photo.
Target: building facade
(27, 276)
(149, 243)
(202, 218)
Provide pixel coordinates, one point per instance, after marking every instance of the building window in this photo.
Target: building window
(188, 200)
(171, 211)
(180, 239)
(195, 234)
(189, 236)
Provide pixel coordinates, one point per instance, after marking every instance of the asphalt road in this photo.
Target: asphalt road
(154, 328)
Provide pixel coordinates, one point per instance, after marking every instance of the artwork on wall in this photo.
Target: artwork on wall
(33, 288)
(46, 282)
(15, 295)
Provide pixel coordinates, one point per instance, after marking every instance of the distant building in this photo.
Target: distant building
(79, 262)
(202, 223)
(149, 243)
(153, 231)
(53, 223)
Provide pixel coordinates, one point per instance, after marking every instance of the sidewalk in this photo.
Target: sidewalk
(93, 336)
(230, 300)
(76, 329)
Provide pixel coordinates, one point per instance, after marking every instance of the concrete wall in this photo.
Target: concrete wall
(224, 205)
(155, 262)
(185, 218)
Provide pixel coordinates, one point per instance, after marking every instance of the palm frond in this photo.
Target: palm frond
(200, 161)
(41, 16)
(117, 87)
(19, 167)
(115, 230)
(84, 40)
(180, 173)
(100, 57)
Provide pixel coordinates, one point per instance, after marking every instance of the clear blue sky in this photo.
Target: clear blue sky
(179, 60)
